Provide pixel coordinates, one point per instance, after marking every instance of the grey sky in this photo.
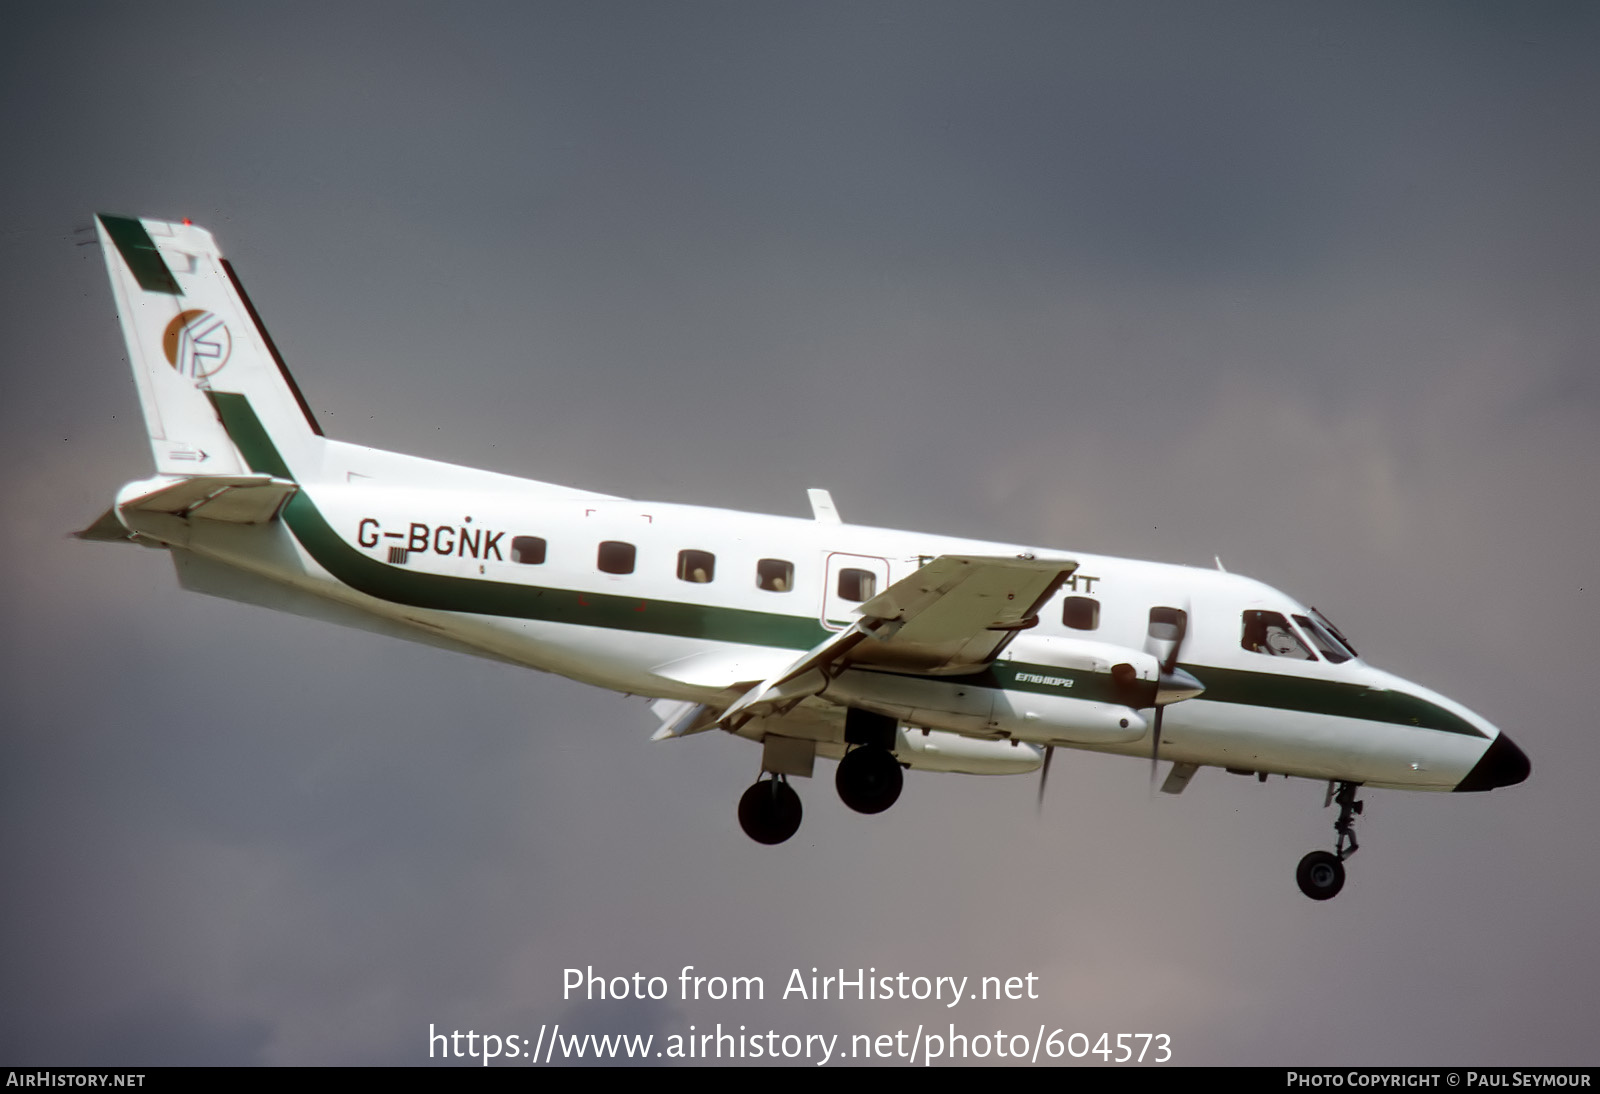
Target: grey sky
(1311, 287)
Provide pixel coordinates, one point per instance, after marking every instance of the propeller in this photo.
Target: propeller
(1044, 773)
(1168, 628)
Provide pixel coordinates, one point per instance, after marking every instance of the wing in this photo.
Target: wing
(951, 617)
(957, 613)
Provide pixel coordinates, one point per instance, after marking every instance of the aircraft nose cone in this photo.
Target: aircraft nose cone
(1503, 764)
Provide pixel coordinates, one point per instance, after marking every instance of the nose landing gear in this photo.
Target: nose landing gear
(1321, 873)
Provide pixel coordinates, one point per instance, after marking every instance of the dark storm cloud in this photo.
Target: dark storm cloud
(1311, 289)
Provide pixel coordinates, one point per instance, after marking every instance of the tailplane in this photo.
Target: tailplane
(192, 335)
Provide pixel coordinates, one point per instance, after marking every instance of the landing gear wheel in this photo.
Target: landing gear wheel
(1321, 875)
(769, 812)
(869, 779)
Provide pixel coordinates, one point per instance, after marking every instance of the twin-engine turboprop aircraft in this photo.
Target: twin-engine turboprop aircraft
(880, 649)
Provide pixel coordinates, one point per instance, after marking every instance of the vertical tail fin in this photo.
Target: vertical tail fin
(191, 333)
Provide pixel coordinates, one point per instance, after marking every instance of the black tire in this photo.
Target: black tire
(869, 779)
(1321, 875)
(769, 812)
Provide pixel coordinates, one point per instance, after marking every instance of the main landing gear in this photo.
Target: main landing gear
(1321, 873)
(770, 810)
(869, 779)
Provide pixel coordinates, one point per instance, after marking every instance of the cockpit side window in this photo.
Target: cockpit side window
(1326, 644)
(1271, 634)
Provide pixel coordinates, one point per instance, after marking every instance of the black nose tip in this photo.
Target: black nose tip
(1503, 764)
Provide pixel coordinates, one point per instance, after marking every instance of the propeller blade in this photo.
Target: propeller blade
(1155, 746)
(1044, 773)
(1171, 660)
(1173, 682)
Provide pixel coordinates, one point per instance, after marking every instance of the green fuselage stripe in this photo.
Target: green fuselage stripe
(481, 596)
(1332, 697)
(138, 250)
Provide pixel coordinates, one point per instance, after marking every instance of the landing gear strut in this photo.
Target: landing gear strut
(769, 812)
(1321, 873)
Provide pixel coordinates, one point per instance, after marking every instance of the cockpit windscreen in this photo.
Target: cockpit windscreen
(1338, 635)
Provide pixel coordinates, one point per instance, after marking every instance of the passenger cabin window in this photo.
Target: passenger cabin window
(698, 567)
(1271, 634)
(1081, 613)
(775, 575)
(616, 557)
(857, 585)
(528, 550)
(1167, 624)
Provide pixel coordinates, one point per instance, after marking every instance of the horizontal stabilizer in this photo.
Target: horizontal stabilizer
(107, 529)
(233, 499)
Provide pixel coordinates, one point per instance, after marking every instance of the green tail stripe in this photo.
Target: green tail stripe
(138, 250)
(482, 596)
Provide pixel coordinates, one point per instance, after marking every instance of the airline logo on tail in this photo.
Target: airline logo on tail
(197, 343)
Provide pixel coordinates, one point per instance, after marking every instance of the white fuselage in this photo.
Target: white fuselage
(431, 549)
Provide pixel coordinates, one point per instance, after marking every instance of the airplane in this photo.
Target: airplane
(883, 650)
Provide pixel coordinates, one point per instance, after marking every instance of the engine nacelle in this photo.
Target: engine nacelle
(1043, 689)
(933, 750)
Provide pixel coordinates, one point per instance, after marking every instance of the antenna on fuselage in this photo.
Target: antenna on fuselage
(822, 508)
